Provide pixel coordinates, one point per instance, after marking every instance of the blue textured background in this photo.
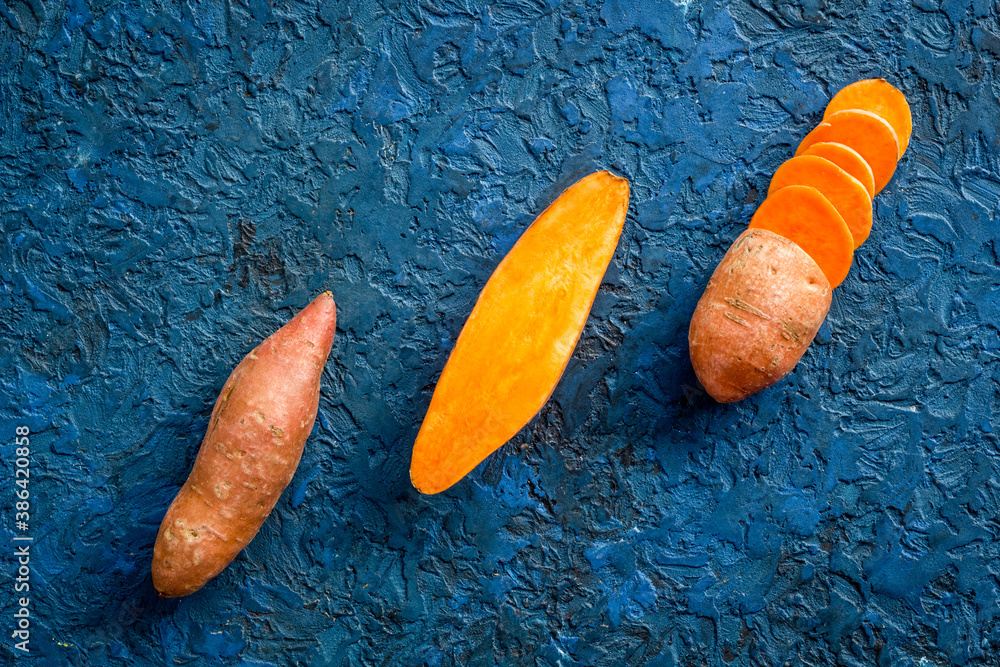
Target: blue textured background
(178, 178)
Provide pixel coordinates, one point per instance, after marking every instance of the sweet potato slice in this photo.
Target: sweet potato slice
(882, 99)
(845, 192)
(761, 309)
(521, 333)
(866, 133)
(847, 159)
(802, 215)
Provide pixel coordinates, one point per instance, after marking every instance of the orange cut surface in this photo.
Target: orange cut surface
(845, 192)
(522, 331)
(866, 133)
(847, 159)
(804, 216)
(882, 99)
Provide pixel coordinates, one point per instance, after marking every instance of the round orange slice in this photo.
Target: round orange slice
(845, 192)
(804, 216)
(866, 133)
(847, 159)
(882, 99)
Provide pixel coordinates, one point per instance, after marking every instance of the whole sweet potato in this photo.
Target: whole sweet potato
(254, 442)
(761, 309)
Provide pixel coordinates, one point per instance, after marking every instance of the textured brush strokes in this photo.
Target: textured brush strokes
(178, 178)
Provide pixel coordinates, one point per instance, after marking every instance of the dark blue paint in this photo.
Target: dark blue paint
(179, 178)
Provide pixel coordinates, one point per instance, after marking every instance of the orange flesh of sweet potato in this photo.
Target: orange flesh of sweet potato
(866, 133)
(522, 331)
(802, 215)
(847, 159)
(254, 441)
(845, 192)
(761, 310)
(882, 99)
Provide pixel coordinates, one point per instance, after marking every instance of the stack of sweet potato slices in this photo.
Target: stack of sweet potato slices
(771, 292)
(821, 199)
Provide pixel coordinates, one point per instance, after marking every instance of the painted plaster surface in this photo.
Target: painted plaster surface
(177, 178)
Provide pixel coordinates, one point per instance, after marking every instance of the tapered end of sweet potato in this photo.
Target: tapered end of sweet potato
(422, 481)
(316, 323)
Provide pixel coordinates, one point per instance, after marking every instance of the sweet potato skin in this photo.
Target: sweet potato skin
(760, 311)
(255, 439)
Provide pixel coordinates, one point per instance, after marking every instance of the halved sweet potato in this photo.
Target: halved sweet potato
(866, 133)
(847, 159)
(802, 215)
(761, 309)
(845, 192)
(882, 99)
(521, 333)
